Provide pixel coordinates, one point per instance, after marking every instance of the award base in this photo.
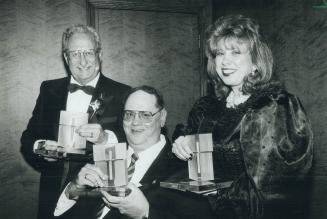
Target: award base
(199, 187)
(61, 153)
(121, 191)
(50, 153)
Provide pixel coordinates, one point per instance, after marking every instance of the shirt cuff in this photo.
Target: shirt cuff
(63, 204)
(112, 138)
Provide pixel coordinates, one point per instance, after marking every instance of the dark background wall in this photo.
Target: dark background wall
(30, 42)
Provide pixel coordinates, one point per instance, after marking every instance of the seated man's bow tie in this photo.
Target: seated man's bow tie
(87, 89)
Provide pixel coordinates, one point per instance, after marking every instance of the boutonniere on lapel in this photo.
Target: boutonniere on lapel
(98, 105)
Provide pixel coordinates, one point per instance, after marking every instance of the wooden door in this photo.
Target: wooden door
(154, 47)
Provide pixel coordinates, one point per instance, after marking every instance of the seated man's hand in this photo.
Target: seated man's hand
(181, 149)
(93, 133)
(90, 175)
(135, 205)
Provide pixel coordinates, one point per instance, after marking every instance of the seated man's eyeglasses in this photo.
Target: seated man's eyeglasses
(144, 116)
(75, 55)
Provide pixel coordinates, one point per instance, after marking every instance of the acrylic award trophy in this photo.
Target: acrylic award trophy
(200, 167)
(112, 161)
(69, 141)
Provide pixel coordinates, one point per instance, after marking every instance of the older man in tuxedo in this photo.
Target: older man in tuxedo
(143, 118)
(84, 85)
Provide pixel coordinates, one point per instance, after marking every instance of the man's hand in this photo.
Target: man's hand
(181, 149)
(135, 205)
(51, 146)
(93, 133)
(90, 175)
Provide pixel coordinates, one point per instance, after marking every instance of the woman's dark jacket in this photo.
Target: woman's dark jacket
(264, 145)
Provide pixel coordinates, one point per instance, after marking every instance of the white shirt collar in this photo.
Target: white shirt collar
(92, 83)
(146, 158)
(157, 146)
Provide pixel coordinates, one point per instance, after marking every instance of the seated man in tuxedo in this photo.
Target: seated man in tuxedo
(143, 117)
(84, 85)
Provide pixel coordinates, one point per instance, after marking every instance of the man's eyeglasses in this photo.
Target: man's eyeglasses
(89, 55)
(144, 116)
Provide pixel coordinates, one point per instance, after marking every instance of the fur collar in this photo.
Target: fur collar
(264, 95)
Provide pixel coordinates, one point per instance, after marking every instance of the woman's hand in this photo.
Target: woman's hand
(181, 149)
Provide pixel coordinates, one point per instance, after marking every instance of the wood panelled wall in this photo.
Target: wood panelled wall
(159, 49)
(30, 51)
(296, 31)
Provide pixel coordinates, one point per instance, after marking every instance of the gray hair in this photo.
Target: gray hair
(80, 28)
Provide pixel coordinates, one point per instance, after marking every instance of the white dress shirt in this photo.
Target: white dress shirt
(79, 101)
(142, 165)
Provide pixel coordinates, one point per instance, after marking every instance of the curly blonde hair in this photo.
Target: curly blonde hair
(245, 29)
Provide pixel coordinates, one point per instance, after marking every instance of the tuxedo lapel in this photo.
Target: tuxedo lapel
(98, 88)
(64, 95)
(97, 95)
(59, 94)
(103, 96)
(58, 101)
(102, 89)
(158, 168)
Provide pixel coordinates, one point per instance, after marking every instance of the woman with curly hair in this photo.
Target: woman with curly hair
(262, 136)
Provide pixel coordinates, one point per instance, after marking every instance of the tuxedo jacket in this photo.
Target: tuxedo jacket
(161, 168)
(44, 124)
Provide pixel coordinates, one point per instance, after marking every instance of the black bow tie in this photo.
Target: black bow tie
(87, 89)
